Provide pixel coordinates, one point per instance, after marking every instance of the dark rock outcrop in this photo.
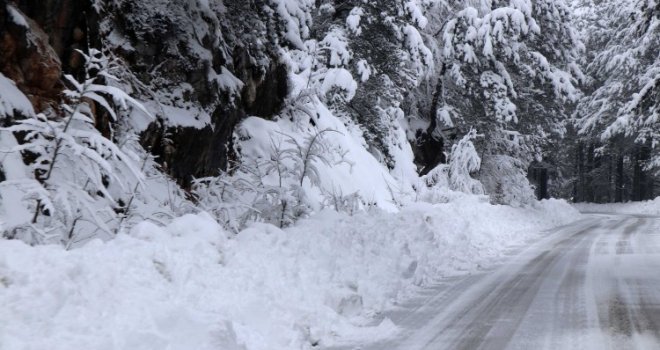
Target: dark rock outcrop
(183, 45)
(27, 58)
(170, 51)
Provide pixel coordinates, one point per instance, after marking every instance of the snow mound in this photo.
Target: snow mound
(191, 285)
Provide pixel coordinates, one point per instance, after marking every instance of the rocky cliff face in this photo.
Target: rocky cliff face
(203, 66)
(200, 76)
(27, 57)
(191, 64)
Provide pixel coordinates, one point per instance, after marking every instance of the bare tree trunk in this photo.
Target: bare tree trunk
(618, 195)
(640, 186)
(638, 174)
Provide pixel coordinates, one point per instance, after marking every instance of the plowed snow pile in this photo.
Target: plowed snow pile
(192, 285)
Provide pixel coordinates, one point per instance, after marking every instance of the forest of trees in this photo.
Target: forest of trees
(120, 110)
(617, 119)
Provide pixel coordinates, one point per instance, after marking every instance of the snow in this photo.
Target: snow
(191, 285)
(416, 13)
(188, 283)
(185, 115)
(116, 39)
(11, 164)
(296, 17)
(651, 207)
(353, 20)
(358, 172)
(12, 99)
(421, 55)
(226, 81)
(342, 79)
(587, 285)
(364, 70)
(336, 43)
(463, 162)
(17, 17)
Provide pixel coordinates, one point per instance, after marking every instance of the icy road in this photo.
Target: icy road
(591, 285)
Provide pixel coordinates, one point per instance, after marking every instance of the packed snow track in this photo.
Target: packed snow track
(592, 285)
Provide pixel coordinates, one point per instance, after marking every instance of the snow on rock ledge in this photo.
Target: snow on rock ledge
(191, 286)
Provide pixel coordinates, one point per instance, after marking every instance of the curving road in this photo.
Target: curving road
(592, 285)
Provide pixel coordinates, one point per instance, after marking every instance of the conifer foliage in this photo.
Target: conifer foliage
(618, 119)
(510, 71)
(625, 72)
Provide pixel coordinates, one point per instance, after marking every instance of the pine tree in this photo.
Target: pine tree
(510, 71)
(622, 105)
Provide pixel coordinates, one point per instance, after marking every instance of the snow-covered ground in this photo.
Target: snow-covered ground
(192, 285)
(590, 285)
(643, 208)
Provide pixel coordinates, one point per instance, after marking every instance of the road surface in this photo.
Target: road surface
(591, 285)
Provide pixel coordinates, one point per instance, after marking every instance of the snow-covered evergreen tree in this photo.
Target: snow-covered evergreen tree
(509, 69)
(465, 162)
(624, 70)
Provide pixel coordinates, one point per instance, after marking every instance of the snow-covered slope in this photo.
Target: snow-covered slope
(191, 285)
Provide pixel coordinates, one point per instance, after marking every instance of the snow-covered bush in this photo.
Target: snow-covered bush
(74, 165)
(338, 201)
(505, 179)
(463, 162)
(271, 189)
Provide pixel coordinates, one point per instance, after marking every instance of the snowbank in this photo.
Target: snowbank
(651, 207)
(191, 285)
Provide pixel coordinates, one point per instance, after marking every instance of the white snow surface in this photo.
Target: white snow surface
(360, 172)
(12, 99)
(192, 285)
(651, 207)
(17, 17)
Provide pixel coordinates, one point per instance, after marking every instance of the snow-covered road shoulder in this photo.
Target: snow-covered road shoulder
(651, 207)
(192, 285)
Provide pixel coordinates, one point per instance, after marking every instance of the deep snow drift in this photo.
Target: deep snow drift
(192, 285)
